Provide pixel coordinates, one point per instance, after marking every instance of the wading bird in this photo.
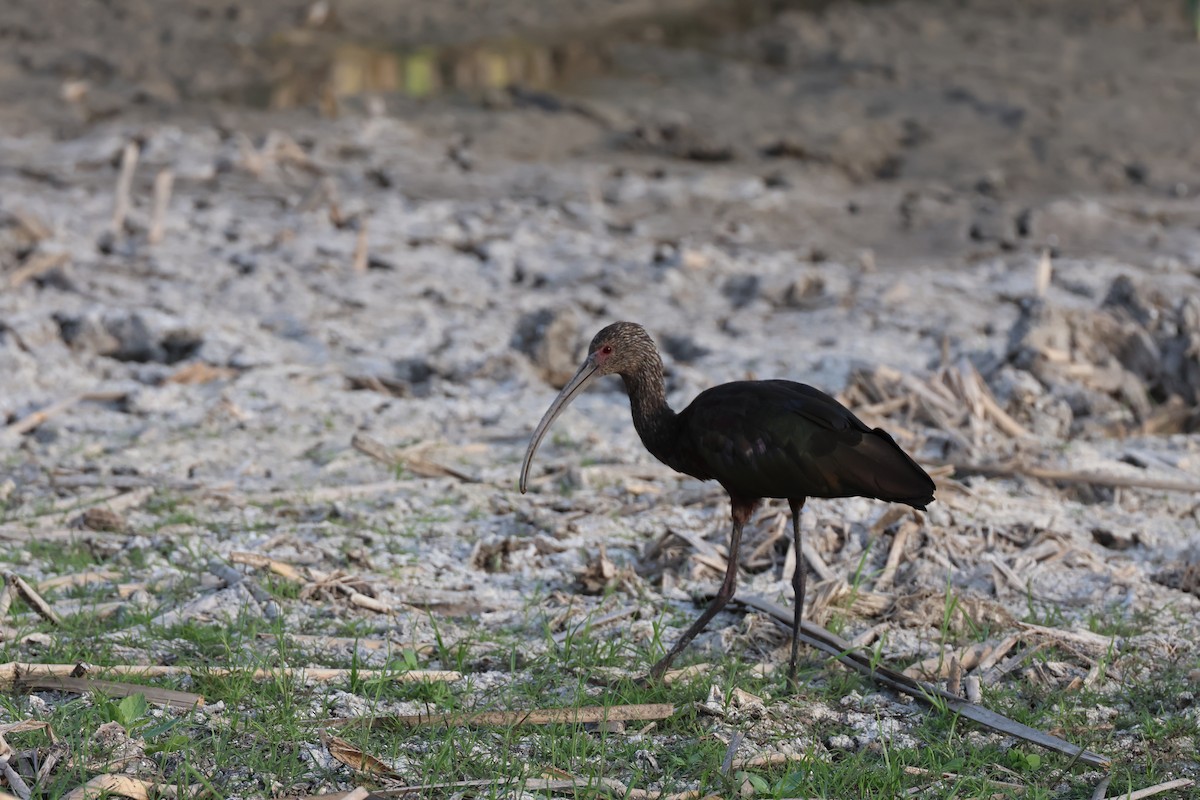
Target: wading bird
(757, 439)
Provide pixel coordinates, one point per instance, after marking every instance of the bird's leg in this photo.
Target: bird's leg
(742, 509)
(797, 504)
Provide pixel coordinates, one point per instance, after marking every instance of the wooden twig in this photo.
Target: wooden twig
(33, 420)
(841, 650)
(153, 694)
(36, 265)
(129, 160)
(538, 716)
(1013, 470)
(819, 567)
(1150, 791)
(355, 757)
(33, 598)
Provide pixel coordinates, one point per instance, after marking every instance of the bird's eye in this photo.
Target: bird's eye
(606, 350)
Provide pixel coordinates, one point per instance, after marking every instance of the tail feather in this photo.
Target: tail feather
(886, 471)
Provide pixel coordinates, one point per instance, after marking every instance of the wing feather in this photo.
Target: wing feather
(786, 439)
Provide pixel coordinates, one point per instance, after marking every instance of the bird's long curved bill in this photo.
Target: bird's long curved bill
(576, 385)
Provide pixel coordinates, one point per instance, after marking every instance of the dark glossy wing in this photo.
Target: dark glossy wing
(786, 439)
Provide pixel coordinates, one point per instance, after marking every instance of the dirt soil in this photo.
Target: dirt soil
(975, 221)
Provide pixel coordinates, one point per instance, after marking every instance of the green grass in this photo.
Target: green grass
(258, 737)
(260, 740)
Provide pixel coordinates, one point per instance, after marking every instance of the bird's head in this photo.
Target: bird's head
(622, 348)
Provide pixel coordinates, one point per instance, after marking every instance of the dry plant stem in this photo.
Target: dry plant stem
(895, 553)
(1071, 476)
(13, 671)
(257, 561)
(407, 458)
(31, 421)
(123, 786)
(164, 181)
(359, 261)
(1150, 791)
(813, 557)
(34, 599)
(129, 160)
(36, 265)
(911, 770)
(540, 716)
(78, 579)
(13, 778)
(735, 741)
(163, 697)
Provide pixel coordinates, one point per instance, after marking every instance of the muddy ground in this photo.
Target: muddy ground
(975, 221)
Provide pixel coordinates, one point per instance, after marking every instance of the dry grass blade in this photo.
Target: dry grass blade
(163, 697)
(10, 775)
(257, 561)
(409, 458)
(735, 741)
(911, 770)
(123, 786)
(685, 673)
(941, 666)
(594, 624)
(327, 494)
(539, 716)
(26, 725)
(1093, 642)
(355, 758)
(840, 649)
(974, 385)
